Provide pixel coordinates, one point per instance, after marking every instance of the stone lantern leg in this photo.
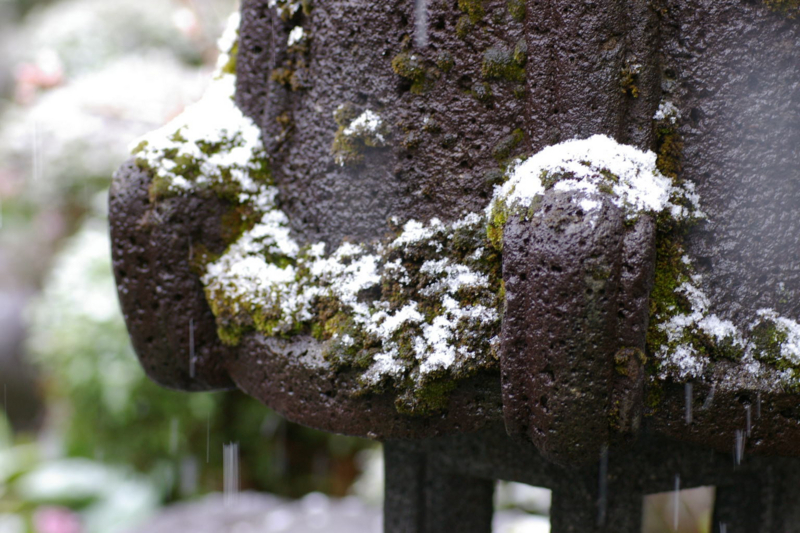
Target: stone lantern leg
(548, 242)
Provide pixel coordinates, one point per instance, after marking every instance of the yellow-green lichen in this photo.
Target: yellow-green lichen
(445, 61)
(411, 67)
(788, 8)
(482, 92)
(506, 146)
(464, 25)
(473, 8)
(230, 66)
(356, 132)
(517, 9)
(628, 80)
(503, 64)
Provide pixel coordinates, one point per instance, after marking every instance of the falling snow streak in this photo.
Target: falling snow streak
(676, 502)
(602, 493)
(748, 419)
(191, 348)
(738, 447)
(36, 155)
(421, 23)
(710, 397)
(688, 395)
(208, 439)
(230, 472)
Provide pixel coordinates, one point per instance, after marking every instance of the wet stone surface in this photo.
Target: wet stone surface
(607, 303)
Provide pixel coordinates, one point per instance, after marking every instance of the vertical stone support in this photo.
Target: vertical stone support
(424, 497)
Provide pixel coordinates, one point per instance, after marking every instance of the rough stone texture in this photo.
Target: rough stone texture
(730, 67)
(567, 318)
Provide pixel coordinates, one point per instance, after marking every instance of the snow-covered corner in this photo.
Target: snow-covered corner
(595, 166)
(211, 143)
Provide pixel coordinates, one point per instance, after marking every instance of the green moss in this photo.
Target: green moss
(282, 76)
(502, 64)
(521, 52)
(349, 149)
(628, 80)
(788, 8)
(230, 66)
(505, 147)
(494, 176)
(670, 151)
(653, 397)
(627, 357)
(463, 26)
(412, 68)
(473, 8)
(497, 223)
(768, 339)
(445, 61)
(670, 273)
(482, 92)
(236, 221)
(431, 398)
(517, 9)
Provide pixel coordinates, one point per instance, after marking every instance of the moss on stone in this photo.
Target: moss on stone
(482, 92)
(521, 52)
(768, 339)
(474, 9)
(517, 9)
(431, 398)
(445, 61)
(628, 80)
(463, 26)
(411, 67)
(497, 224)
(502, 64)
(503, 150)
(788, 8)
(230, 66)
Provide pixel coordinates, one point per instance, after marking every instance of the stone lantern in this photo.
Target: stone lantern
(553, 242)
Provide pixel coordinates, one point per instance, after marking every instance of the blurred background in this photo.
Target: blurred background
(87, 443)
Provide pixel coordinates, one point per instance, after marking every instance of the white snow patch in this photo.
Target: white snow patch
(295, 36)
(667, 111)
(367, 124)
(790, 348)
(583, 165)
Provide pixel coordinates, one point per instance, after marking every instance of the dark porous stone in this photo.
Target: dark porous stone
(572, 373)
